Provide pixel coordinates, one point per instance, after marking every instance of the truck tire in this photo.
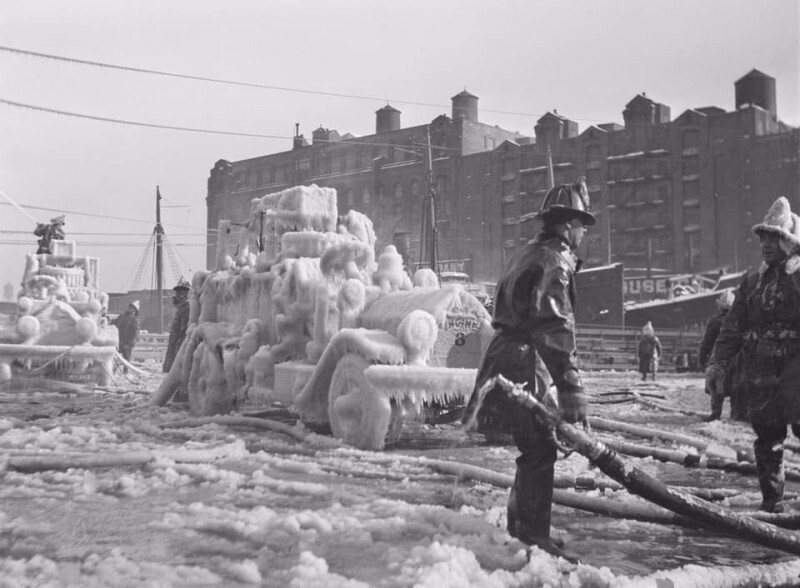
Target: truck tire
(359, 415)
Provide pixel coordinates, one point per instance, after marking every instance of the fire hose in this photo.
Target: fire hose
(643, 484)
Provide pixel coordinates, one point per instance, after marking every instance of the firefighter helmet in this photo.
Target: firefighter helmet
(565, 202)
(182, 285)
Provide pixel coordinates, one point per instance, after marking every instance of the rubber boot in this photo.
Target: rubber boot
(530, 504)
(530, 500)
(771, 475)
(551, 546)
(716, 408)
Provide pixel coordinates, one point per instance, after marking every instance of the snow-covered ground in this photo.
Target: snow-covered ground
(229, 505)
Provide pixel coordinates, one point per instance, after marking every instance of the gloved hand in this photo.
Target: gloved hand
(572, 405)
(572, 399)
(713, 371)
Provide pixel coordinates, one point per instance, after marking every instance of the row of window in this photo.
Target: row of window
(641, 243)
(638, 192)
(640, 218)
(349, 197)
(636, 168)
(351, 159)
(333, 162)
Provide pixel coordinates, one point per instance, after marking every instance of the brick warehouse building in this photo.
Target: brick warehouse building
(677, 195)
(384, 175)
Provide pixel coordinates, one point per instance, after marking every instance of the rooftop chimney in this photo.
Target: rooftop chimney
(298, 141)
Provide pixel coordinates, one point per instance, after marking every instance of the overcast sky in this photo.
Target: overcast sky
(585, 58)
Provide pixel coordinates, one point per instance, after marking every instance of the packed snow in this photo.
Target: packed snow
(225, 505)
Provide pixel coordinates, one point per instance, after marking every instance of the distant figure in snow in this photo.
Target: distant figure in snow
(649, 351)
(128, 326)
(48, 232)
(763, 325)
(715, 387)
(534, 341)
(180, 322)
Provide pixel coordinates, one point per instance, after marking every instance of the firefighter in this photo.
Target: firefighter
(180, 322)
(764, 324)
(715, 386)
(649, 351)
(128, 325)
(534, 341)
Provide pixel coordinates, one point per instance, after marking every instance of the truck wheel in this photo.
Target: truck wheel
(359, 415)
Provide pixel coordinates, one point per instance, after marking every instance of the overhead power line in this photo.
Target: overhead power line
(193, 129)
(105, 216)
(136, 123)
(102, 234)
(136, 244)
(157, 72)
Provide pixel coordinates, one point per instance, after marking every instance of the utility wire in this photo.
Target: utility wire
(103, 234)
(105, 243)
(239, 134)
(119, 218)
(248, 84)
(134, 123)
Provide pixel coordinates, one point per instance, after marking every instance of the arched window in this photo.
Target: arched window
(365, 195)
(398, 191)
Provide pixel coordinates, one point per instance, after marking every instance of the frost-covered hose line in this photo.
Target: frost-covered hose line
(605, 506)
(657, 405)
(241, 421)
(130, 366)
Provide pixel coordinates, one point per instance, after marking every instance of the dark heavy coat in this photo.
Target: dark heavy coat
(128, 326)
(764, 325)
(177, 333)
(535, 330)
(649, 351)
(710, 336)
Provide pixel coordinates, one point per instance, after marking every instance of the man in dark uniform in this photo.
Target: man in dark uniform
(534, 342)
(764, 324)
(715, 386)
(180, 322)
(128, 326)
